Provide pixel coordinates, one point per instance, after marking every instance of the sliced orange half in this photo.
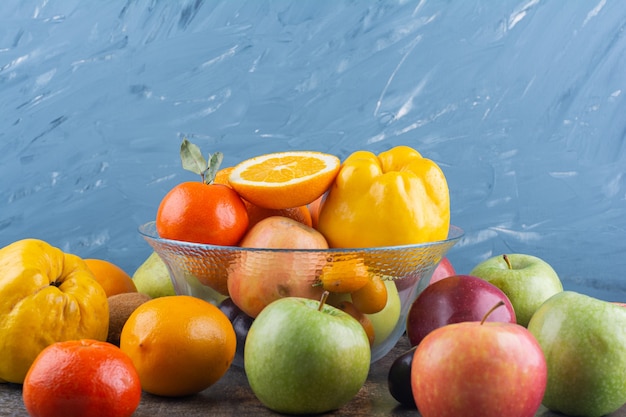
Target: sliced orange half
(284, 179)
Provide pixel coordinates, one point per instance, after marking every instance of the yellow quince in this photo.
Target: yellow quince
(46, 296)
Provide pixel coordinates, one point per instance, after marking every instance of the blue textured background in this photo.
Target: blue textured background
(522, 103)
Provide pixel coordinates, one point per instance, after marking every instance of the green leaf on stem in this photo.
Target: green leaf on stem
(215, 161)
(193, 161)
(192, 158)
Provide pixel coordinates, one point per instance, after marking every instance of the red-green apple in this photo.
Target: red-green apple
(455, 299)
(259, 277)
(584, 341)
(303, 356)
(527, 280)
(443, 270)
(475, 369)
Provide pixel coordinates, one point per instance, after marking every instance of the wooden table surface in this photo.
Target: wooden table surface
(231, 396)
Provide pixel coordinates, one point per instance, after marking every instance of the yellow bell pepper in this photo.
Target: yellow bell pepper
(395, 198)
(46, 296)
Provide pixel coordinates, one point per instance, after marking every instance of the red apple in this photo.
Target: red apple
(443, 270)
(452, 300)
(259, 277)
(476, 369)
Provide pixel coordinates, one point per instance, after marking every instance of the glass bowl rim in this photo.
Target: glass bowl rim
(148, 231)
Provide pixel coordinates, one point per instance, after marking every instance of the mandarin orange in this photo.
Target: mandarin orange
(344, 276)
(202, 213)
(113, 279)
(81, 378)
(372, 297)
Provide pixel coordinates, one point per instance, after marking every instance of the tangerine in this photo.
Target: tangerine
(114, 280)
(301, 214)
(221, 176)
(284, 179)
(365, 321)
(314, 209)
(180, 345)
(81, 378)
(372, 297)
(196, 212)
(347, 275)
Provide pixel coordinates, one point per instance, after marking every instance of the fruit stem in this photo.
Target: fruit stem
(323, 299)
(508, 261)
(498, 304)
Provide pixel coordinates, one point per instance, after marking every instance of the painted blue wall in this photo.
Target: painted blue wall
(522, 103)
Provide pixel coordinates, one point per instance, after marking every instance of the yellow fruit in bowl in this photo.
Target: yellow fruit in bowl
(46, 296)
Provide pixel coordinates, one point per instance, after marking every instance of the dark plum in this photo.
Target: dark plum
(229, 308)
(399, 378)
(241, 324)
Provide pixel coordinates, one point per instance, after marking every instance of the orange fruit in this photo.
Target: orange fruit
(113, 279)
(314, 209)
(284, 179)
(180, 345)
(256, 213)
(344, 275)
(372, 297)
(81, 378)
(212, 214)
(221, 176)
(365, 321)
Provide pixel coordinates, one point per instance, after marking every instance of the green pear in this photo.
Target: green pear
(584, 342)
(153, 278)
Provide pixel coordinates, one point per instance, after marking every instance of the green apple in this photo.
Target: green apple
(584, 342)
(153, 278)
(303, 356)
(384, 322)
(527, 280)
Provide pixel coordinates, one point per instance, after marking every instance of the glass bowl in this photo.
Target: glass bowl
(202, 271)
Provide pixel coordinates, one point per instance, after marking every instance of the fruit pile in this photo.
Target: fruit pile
(307, 200)
(85, 338)
(506, 338)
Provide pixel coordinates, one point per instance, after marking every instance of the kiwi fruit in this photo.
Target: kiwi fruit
(121, 307)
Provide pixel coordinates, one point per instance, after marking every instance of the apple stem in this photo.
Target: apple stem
(508, 261)
(498, 304)
(325, 295)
